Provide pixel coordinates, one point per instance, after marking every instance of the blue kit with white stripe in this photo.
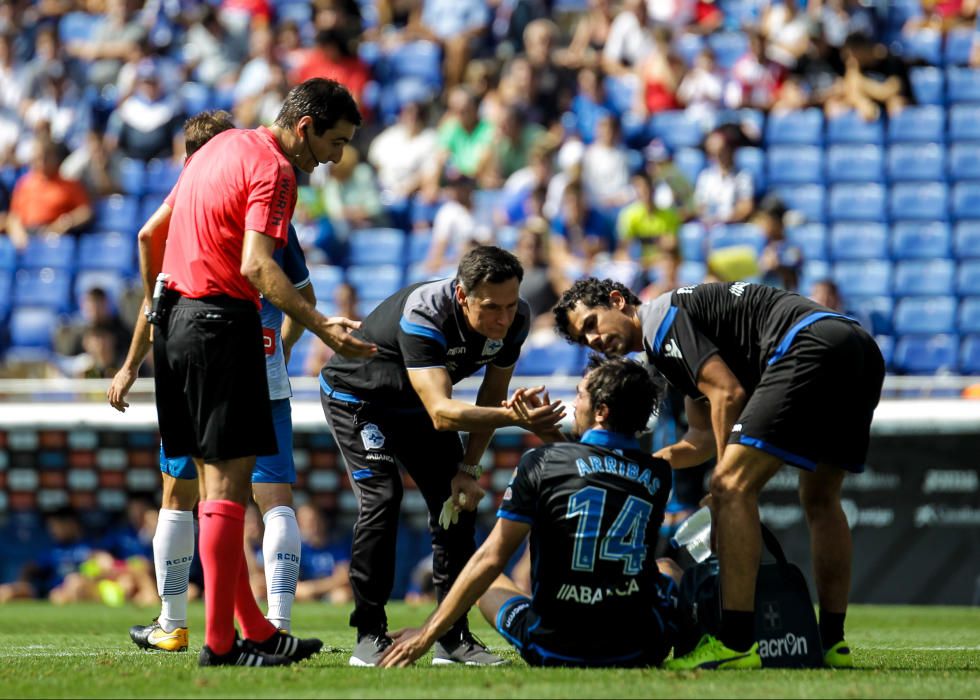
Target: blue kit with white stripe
(278, 468)
(813, 376)
(595, 510)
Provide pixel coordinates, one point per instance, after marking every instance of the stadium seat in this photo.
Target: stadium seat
(555, 358)
(6, 282)
(800, 127)
(692, 241)
(886, 344)
(928, 85)
(964, 123)
(107, 251)
(794, 165)
(691, 272)
(809, 200)
(161, 176)
(299, 354)
(849, 127)
(677, 129)
(915, 315)
(8, 254)
(325, 279)
(970, 355)
(854, 202)
(49, 251)
(916, 162)
(959, 44)
(375, 282)
(863, 278)
(148, 205)
(377, 246)
(132, 176)
(728, 47)
(690, 161)
(31, 327)
(926, 354)
(619, 93)
(117, 213)
(112, 283)
(876, 310)
(968, 316)
(737, 235)
(753, 161)
(924, 45)
(813, 271)
(417, 273)
(924, 277)
(966, 239)
(417, 59)
(47, 287)
(855, 163)
(968, 278)
(921, 240)
(418, 246)
(858, 241)
(917, 124)
(688, 46)
(966, 200)
(919, 201)
(964, 161)
(962, 85)
(811, 239)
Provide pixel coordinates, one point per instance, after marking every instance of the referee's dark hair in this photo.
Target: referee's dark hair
(487, 263)
(203, 127)
(626, 388)
(325, 101)
(591, 292)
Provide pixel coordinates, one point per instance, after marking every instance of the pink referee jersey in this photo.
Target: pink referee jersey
(238, 181)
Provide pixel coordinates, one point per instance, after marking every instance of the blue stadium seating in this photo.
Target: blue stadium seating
(858, 241)
(297, 356)
(112, 283)
(485, 203)
(557, 357)
(851, 128)
(964, 161)
(677, 129)
(966, 200)
(959, 43)
(928, 85)
(728, 47)
(6, 281)
(692, 240)
(374, 282)
(794, 165)
(753, 161)
(691, 272)
(8, 254)
(876, 310)
(417, 273)
(132, 176)
(919, 201)
(49, 251)
(737, 235)
(161, 176)
(854, 202)
(418, 246)
(108, 251)
(619, 93)
(810, 200)
(47, 287)
(417, 59)
(77, 26)
(195, 97)
(801, 127)
(925, 45)
(863, 278)
(924, 277)
(690, 161)
(117, 213)
(966, 239)
(378, 246)
(148, 205)
(298, 11)
(917, 124)
(886, 344)
(811, 239)
(964, 123)
(918, 354)
(915, 315)
(813, 271)
(31, 327)
(688, 46)
(962, 85)
(325, 279)
(970, 355)
(855, 163)
(968, 317)
(968, 278)
(507, 237)
(921, 240)
(916, 162)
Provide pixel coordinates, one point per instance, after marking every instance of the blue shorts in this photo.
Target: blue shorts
(516, 622)
(274, 469)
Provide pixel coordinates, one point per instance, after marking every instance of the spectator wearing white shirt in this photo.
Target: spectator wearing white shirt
(400, 154)
(605, 167)
(702, 89)
(629, 41)
(455, 229)
(722, 195)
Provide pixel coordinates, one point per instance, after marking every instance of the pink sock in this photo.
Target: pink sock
(222, 530)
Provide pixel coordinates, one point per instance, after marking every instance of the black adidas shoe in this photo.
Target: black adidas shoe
(370, 647)
(241, 654)
(282, 643)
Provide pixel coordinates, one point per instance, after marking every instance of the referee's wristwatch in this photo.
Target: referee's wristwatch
(474, 470)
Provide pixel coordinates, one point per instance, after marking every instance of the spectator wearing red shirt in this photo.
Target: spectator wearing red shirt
(331, 58)
(230, 211)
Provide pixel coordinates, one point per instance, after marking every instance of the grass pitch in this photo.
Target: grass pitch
(84, 651)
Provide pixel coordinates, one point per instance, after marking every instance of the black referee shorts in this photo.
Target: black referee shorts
(814, 404)
(212, 393)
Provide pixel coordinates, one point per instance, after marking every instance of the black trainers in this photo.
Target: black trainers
(241, 654)
(465, 649)
(370, 647)
(284, 644)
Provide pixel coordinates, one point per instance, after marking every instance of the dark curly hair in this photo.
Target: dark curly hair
(627, 388)
(591, 292)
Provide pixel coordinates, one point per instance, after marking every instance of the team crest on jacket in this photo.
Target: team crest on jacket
(492, 347)
(372, 437)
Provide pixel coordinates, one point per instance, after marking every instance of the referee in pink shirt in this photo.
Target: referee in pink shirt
(231, 210)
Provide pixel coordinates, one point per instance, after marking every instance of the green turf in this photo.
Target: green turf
(45, 651)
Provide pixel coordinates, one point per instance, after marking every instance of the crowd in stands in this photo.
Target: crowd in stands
(658, 142)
